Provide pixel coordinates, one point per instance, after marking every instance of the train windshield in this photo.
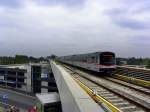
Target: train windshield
(107, 58)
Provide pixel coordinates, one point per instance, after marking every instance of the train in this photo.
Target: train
(98, 61)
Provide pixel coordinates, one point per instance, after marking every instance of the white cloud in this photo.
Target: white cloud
(41, 30)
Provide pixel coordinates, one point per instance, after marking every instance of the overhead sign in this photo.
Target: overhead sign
(44, 76)
(5, 96)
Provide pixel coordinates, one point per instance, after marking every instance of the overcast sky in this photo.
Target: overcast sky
(62, 27)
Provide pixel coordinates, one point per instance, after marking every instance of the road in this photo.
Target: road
(16, 99)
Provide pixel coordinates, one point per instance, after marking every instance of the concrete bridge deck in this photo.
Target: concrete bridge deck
(73, 97)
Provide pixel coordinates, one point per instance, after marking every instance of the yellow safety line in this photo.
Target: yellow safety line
(137, 81)
(96, 97)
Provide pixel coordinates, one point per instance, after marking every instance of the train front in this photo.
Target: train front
(107, 62)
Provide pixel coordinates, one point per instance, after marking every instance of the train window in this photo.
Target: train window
(86, 59)
(107, 58)
(92, 59)
(96, 59)
(83, 59)
(76, 58)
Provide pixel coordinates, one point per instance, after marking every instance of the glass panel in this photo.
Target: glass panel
(107, 58)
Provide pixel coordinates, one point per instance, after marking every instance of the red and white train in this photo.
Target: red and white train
(97, 61)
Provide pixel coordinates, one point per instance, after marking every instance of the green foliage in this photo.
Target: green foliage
(135, 61)
(53, 56)
(6, 60)
(33, 59)
(20, 59)
(148, 64)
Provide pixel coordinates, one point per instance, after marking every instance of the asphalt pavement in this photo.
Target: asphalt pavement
(22, 101)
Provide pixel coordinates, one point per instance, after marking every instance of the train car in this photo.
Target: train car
(97, 61)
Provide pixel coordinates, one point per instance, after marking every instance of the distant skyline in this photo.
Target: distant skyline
(62, 27)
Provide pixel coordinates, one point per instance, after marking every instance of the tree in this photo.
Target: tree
(20, 59)
(148, 64)
(53, 56)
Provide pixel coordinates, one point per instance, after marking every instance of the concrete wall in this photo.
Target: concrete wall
(73, 97)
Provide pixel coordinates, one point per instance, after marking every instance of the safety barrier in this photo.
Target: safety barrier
(98, 98)
(133, 80)
(73, 97)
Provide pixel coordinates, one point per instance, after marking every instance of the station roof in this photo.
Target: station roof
(46, 98)
(18, 68)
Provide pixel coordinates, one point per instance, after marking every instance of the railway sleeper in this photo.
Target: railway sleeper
(129, 108)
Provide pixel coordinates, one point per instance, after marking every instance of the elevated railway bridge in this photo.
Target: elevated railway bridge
(126, 90)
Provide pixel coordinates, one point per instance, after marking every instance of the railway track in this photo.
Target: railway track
(134, 81)
(130, 85)
(143, 74)
(127, 98)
